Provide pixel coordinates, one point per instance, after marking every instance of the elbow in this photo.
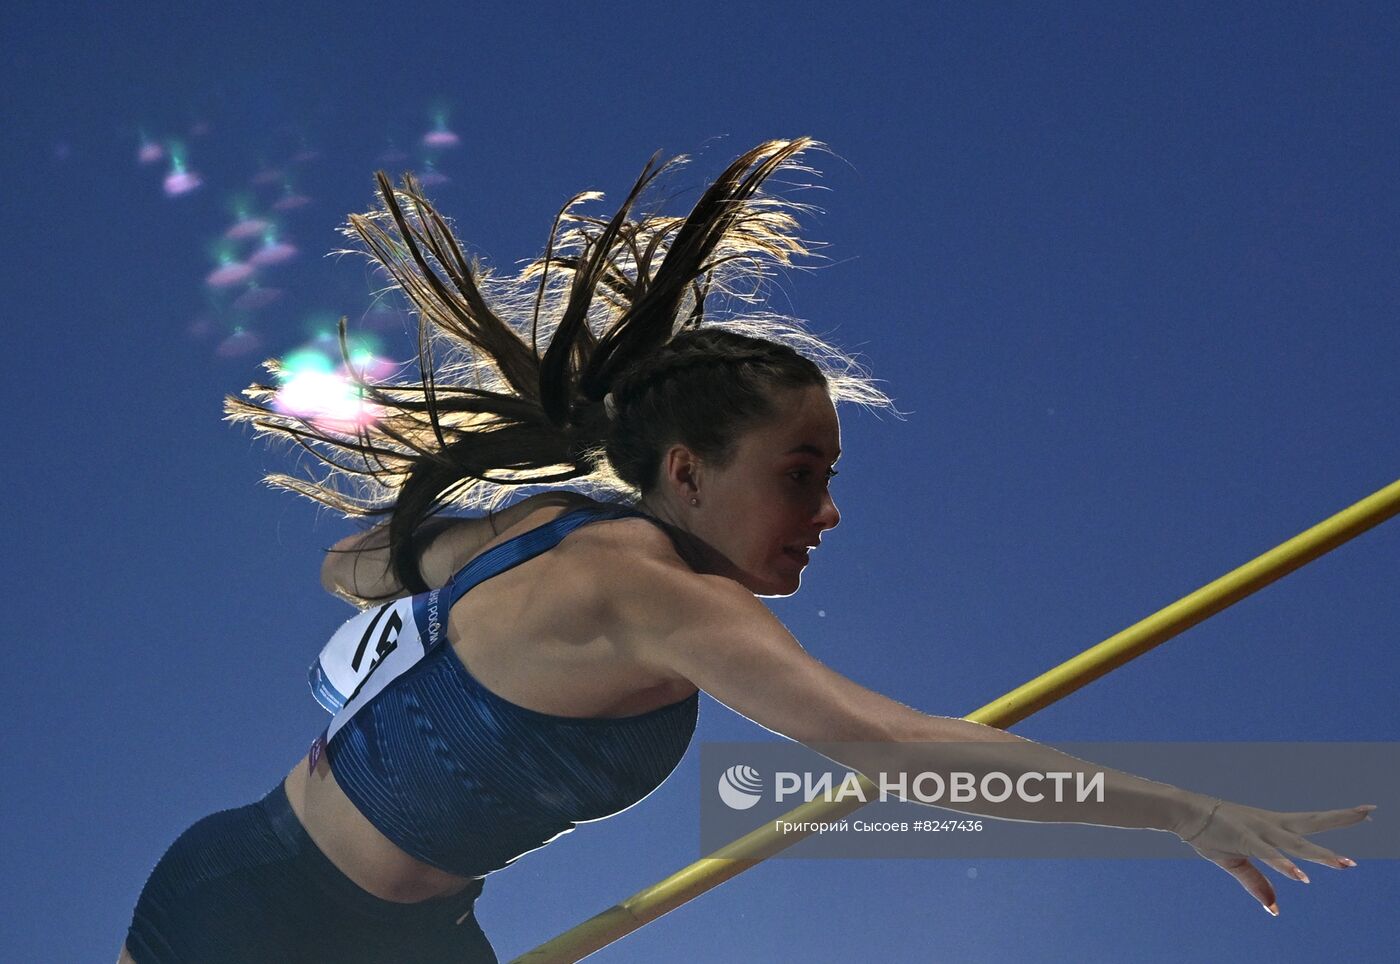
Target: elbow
(901, 725)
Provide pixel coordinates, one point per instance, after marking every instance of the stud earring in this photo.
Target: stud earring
(694, 501)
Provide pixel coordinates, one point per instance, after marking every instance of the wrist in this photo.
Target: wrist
(1188, 813)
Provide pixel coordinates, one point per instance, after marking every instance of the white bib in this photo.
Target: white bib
(368, 652)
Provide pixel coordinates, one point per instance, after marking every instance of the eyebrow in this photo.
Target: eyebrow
(806, 449)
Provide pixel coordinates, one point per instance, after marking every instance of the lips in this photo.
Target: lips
(799, 553)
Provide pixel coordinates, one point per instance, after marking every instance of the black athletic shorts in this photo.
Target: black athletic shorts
(249, 885)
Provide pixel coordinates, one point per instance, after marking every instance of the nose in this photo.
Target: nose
(828, 516)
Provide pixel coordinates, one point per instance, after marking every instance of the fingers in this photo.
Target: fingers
(1306, 823)
(1272, 835)
(1279, 862)
(1307, 850)
(1251, 879)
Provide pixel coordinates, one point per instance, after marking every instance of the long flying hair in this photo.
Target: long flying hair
(578, 368)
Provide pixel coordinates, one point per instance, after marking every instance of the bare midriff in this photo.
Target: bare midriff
(558, 658)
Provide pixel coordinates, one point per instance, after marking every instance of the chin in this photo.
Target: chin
(778, 588)
(771, 581)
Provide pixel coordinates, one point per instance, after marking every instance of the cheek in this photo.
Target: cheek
(760, 550)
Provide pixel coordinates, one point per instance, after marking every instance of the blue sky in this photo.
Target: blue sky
(1132, 274)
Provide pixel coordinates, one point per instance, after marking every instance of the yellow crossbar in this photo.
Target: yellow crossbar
(1049, 687)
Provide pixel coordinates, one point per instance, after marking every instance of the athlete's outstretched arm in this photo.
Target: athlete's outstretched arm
(717, 635)
(356, 568)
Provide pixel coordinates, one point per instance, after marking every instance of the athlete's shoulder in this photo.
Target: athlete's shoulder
(644, 566)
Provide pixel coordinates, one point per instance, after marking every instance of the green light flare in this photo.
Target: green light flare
(306, 361)
(223, 252)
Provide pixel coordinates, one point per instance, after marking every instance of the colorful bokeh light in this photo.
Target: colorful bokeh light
(257, 297)
(272, 252)
(241, 342)
(312, 389)
(228, 274)
(180, 180)
(149, 152)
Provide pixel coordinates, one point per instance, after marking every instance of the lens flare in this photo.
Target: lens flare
(366, 362)
(228, 274)
(312, 390)
(245, 225)
(247, 228)
(290, 200)
(369, 367)
(256, 298)
(431, 177)
(272, 252)
(180, 180)
(149, 152)
(326, 342)
(241, 342)
(307, 361)
(440, 137)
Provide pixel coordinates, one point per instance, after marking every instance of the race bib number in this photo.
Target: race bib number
(368, 652)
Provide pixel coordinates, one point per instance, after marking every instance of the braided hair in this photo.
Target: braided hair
(582, 368)
(704, 387)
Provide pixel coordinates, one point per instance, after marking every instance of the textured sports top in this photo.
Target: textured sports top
(453, 774)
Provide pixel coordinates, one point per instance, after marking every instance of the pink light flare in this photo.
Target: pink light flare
(272, 252)
(247, 227)
(181, 182)
(370, 368)
(291, 202)
(431, 177)
(255, 298)
(228, 274)
(241, 342)
(331, 401)
(149, 153)
(441, 139)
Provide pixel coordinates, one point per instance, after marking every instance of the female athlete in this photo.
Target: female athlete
(515, 673)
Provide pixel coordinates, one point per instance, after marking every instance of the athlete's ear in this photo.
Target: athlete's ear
(680, 472)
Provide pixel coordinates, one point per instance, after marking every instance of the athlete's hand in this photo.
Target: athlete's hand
(1229, 834)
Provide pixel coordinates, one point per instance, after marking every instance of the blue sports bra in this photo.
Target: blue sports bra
(453, 774)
